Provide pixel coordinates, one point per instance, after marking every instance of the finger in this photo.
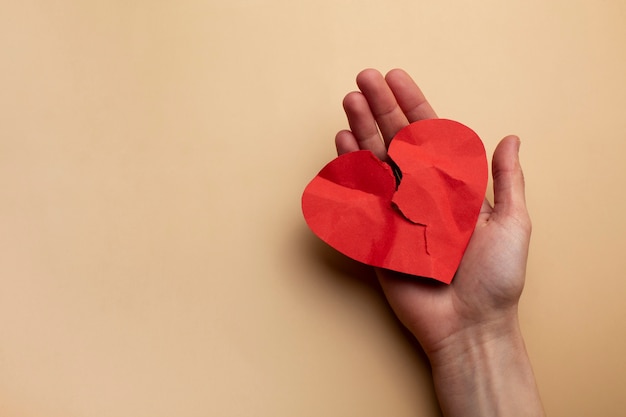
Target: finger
(409, 96)
(363, 125)
(345, 142)
(484, 214)
(382, 103)
(508, 180)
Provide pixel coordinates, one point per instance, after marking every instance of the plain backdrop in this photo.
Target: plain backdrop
(153, 256)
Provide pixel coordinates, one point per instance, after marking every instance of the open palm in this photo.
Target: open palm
(490, 278)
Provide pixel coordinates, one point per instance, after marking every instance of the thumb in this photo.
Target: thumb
(508, 179)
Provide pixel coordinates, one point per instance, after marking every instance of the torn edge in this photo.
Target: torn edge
(397, 209)
(397, 172)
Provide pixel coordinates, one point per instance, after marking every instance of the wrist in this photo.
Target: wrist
(474, 339)
(484, 369)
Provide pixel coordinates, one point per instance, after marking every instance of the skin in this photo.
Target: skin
(468, 329)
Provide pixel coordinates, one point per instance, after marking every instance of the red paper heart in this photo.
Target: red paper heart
(422, 227)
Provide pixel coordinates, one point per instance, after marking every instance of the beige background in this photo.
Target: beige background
(153, 258)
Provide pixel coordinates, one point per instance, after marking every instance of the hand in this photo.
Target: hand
(479, 307)
(490, 277)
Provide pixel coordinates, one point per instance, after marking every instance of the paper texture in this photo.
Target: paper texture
(421, 226)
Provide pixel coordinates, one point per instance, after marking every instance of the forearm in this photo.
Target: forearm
(485, 371)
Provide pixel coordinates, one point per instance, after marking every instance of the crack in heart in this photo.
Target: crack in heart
(413, 213)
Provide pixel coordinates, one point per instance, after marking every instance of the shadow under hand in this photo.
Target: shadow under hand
(348, 270)
(340, 264)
